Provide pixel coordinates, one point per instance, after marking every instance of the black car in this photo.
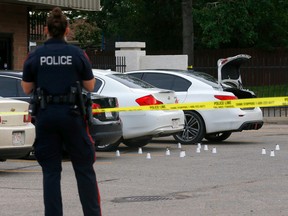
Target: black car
(106, 127)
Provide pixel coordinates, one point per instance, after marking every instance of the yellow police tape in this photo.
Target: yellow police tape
(240, 103)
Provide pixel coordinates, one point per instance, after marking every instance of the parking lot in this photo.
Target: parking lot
(236, 180)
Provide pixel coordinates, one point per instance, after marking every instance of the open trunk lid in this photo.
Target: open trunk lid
(229, 76)
(229, 70)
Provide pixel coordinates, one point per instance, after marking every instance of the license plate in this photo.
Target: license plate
(175, 123)
(108, 115)
(18, 138)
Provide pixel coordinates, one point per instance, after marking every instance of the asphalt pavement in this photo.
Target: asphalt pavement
(236, 180)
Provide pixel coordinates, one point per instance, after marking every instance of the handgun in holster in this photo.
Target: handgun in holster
(41, 98)
(37, 100)
(85, 103)
(88, 106)
(33, 104)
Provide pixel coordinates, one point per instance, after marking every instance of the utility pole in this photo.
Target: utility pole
(188, 31)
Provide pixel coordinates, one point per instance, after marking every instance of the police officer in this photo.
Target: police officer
(54, 68)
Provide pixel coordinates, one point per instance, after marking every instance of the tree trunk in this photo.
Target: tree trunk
(188, 31)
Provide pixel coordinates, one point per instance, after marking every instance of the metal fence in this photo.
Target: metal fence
(37, 21)
(265, 81)
(115, 63)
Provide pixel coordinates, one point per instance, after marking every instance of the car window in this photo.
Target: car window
(181, 84)
(20, 89)
(138, 75)
(167, 81)
(8, 87)
(204, 77)
(11, 87)
(130, 81)
(98, 84)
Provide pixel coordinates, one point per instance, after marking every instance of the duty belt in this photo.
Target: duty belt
(59, 99)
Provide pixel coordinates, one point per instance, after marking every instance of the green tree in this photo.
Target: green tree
(87, 34)
(168, 25)
(157, 22)
(241, 23)
(84, 28)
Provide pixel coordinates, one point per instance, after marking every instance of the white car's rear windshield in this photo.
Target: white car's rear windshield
(204, 77)
(130, 81)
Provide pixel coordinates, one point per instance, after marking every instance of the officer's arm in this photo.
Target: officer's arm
(27, 87)
(88, 85)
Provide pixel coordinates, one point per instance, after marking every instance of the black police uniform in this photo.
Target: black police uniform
(55, 67)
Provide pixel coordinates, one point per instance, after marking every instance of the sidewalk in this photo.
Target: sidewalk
(275, 120)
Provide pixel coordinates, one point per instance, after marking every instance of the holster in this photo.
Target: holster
(88, 106)
(83, 104)
(33, 104)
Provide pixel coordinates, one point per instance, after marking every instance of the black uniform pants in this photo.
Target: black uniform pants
(55, 127)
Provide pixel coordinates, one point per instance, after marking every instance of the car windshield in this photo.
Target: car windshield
(204, 77)
(130, 81)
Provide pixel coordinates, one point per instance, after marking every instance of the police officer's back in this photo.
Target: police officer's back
(52, 71)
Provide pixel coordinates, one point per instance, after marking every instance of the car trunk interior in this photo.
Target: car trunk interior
(241, 93)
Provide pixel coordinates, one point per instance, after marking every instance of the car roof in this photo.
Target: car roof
(117, 78)
(104, 72)
(200, 76)
(12, 73)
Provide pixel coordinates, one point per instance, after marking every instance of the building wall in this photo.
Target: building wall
(179, 62)
(136, 58)
(14, 20)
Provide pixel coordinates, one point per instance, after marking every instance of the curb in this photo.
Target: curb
(275, 120)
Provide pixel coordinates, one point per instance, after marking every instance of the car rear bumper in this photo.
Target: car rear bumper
(106, 132)
(14, 152)
(251, 125)
(152, 123)
(8, 150)
(232, 120)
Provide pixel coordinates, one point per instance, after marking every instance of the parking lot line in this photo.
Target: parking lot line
(20, 171)
(21, 161)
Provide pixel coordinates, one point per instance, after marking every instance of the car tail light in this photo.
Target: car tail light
(27, 118)
(95, 106)
(225, 97)
(147, 100)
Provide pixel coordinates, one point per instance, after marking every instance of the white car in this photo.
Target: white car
(139, 127)
(192, 86)
(17, 133)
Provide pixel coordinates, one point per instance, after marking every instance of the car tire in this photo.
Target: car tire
(217, 137)
(108, 147)
(194, 129)
(137, 142)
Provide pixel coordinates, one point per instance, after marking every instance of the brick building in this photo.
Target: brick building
(15, 26)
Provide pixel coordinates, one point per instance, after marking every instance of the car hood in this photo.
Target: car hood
(229, 70)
